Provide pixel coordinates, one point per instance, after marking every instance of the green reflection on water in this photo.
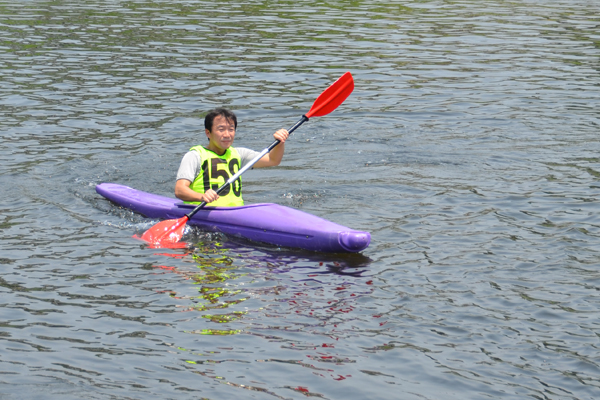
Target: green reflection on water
(216, 271)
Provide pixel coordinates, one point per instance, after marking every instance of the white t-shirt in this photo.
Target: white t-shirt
(191, 163)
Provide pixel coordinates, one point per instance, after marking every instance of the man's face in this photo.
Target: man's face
(222, 134)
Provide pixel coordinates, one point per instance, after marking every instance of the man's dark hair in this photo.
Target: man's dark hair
(223, 112)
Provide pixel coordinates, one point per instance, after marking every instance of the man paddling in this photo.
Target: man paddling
(205, 168)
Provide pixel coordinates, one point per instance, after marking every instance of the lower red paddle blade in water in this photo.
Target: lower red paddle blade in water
(165, 233)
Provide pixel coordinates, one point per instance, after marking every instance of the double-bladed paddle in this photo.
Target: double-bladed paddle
(168, 232)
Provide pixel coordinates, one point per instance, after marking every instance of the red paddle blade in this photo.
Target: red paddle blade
(165, 233)
(333, 96)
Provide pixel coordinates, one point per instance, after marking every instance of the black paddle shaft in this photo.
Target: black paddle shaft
(249, 165)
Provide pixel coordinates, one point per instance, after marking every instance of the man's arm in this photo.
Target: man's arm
(188, 170)
(183, 192)
(274, 157)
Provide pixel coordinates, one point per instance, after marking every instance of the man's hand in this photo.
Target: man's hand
(183, 192)
(281, 135)
(210, 196)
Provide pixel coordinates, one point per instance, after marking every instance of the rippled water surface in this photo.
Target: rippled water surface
(469, 149)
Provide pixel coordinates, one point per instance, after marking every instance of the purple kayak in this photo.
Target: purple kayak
(263, 222)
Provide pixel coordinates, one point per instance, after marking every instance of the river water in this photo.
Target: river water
(469, 149)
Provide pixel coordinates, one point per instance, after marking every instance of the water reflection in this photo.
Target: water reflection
(221, 285)
(242, 290)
